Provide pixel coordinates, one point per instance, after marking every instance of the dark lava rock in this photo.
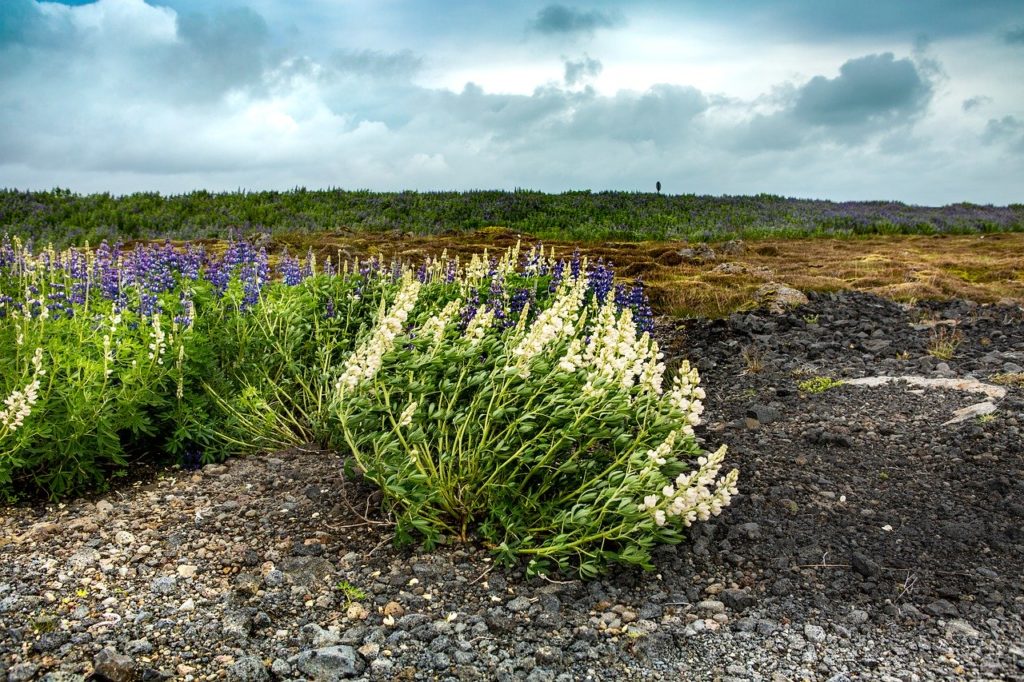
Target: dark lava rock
(865, 566)
(330, 663)
(110, 666)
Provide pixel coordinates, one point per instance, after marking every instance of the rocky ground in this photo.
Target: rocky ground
(873, 540)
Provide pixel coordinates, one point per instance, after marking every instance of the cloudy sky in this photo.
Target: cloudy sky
(915, 100)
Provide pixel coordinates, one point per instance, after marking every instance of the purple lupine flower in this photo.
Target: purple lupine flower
(519, 301)
(329, 311)
(557, 274)
(289, 269)
(307, 265)
(575, 263)
(600, 281)
(496, 300)
(469, 311)
(451, 271)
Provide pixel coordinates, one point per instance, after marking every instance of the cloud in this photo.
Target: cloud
(1008, 131)
(219, 52)
(582, 69)
(563, 20)
(1015, 36)
(876, 87)
(972, 103)
(374, 63)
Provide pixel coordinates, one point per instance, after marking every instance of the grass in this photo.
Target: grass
(818, 384)
(943, 342)
(1009, 379)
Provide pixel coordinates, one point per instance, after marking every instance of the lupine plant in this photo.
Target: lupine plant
(551, 438)
(515, 399)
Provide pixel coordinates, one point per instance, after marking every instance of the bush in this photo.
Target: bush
(552, 440)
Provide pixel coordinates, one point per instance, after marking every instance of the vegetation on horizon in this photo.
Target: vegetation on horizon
(65, 218)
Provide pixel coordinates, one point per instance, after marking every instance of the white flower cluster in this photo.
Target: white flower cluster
(434, 328)
(476, 270)
(108, 352)
(616, 354)
(365, 361)
(158, 345)
(406, 417)
(558, 322)
(686, 396)
(509, 260)
(477, 328)
(19, 403)
(696, 496)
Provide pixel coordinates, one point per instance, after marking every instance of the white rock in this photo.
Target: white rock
(971, 412)
(123, 537)
(187, 570)
(188, 605)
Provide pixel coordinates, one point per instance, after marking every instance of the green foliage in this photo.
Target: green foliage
(350, 591)
(819, 384)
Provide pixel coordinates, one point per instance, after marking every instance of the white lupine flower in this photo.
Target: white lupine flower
(364, 363)
(650, 502)
(558, 322)
(19, 403)
(660, 454)
(406, 417)
(477, 328)
(434, 328)
(572, 358)
(659, 517)
(668, 491)
(158, 345)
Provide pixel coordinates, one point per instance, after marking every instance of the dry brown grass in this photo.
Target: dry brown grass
(983, 268)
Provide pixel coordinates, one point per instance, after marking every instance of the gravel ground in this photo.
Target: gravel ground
(872, 540)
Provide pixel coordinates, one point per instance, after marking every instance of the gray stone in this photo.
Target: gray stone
(858, 617)
(248, 669)
(115, 667)
(738, 600)
(764, 414)
(330, 663)
(22, 672)
(518, 604)
(319, 637)
(814, 633)
(864, 565)
(942, 609)
(165, 584)
(274, 578)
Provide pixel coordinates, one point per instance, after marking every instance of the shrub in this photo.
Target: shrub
(551, 439)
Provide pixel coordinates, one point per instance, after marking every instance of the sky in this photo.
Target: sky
(917, 101)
